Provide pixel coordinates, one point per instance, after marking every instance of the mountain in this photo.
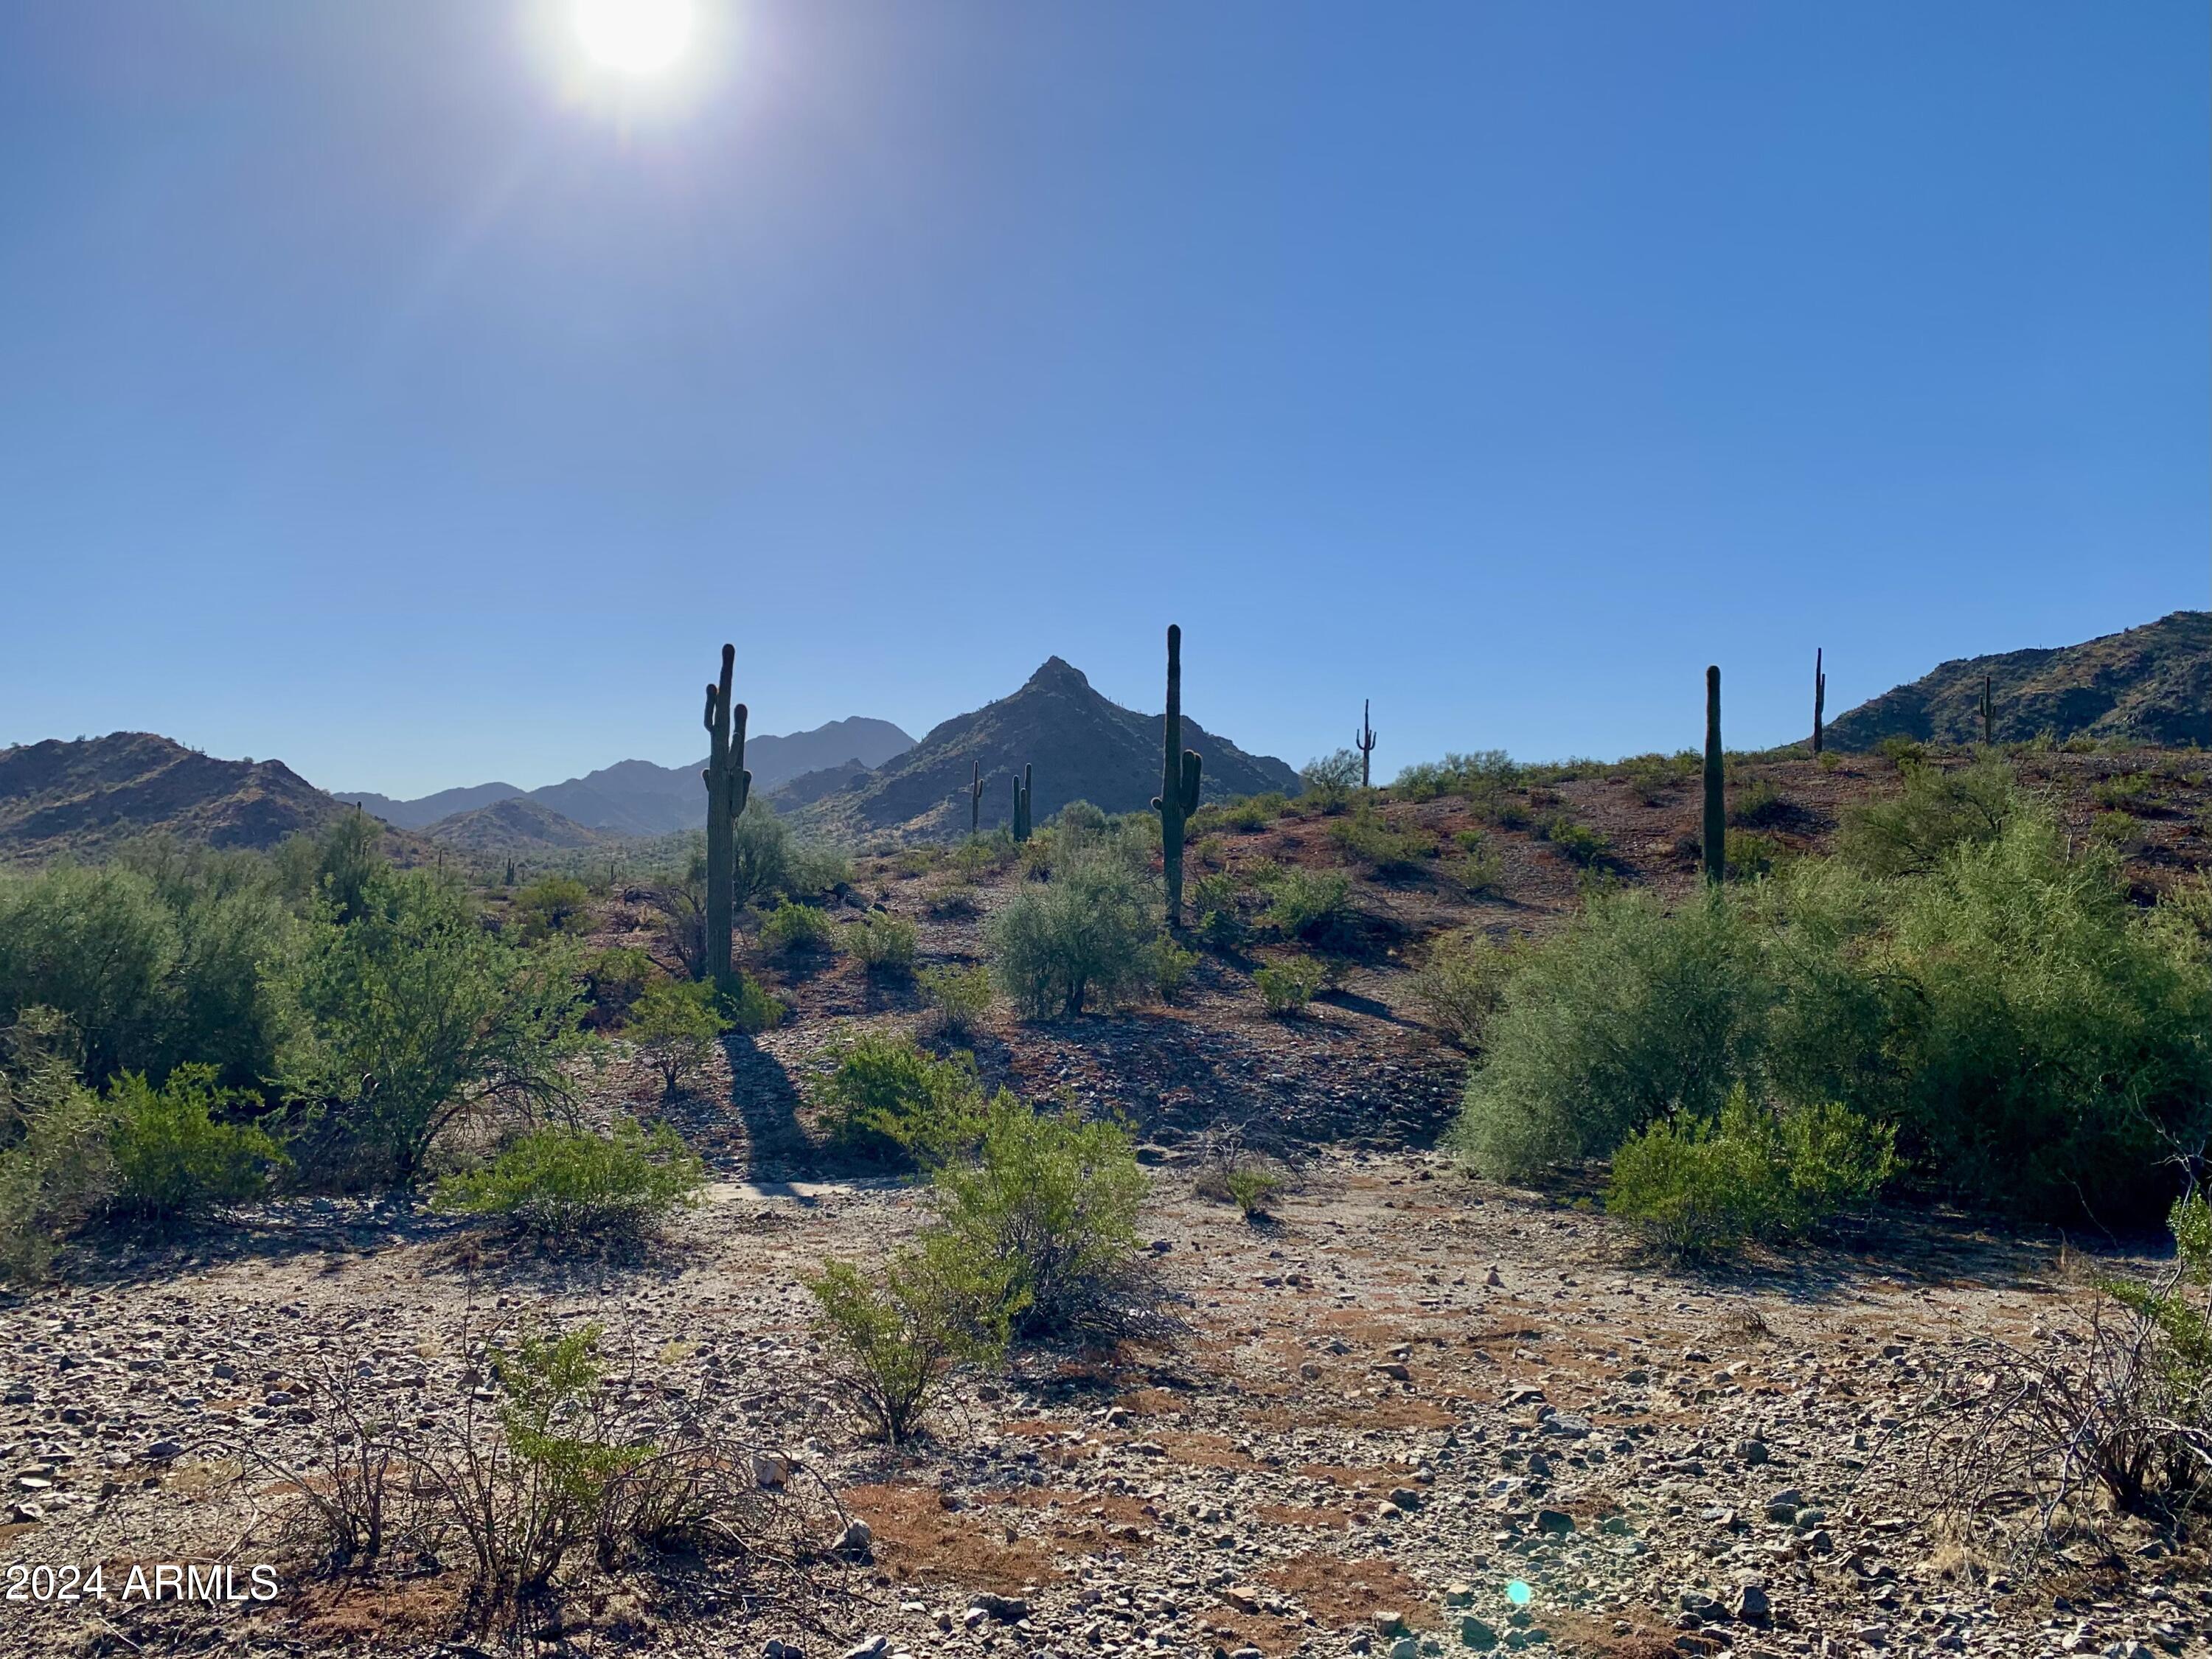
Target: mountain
(83, 798)
(637, 798)
(1082, 746)
(428, 809)
(2150, 685)
(517, 825)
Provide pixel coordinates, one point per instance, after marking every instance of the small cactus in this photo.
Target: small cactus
(1715, 798)
(1022, 788)
(975, 797)
(1179, 782)
(1365, 743)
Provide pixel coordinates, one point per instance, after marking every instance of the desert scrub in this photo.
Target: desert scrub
(1479, 870)
(1086, 937)
(675, 1024)
(1171, 968)
(1367, 839)
(1461, 985)
(887, 1100)
(176, 1158)
(882, 945)
(751, 1008)
(1750, 855)
(894, 1341)
(959, 998)
(563, 1184)
(1286, 987)
(1055, 1198)
(1578, 843)
(1757, 804)
(1695, 1190)
(1329, 781)
(955, 899)
(1938, 812)
(551, 905)
(1315, 905)
(791, 929)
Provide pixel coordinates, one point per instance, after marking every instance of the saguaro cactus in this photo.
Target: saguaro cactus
(1989, 718)
(1715, 798)
(1179, 781)
(975, 797)
(1023, 786)
(728, 783)
(1820, 697)
(1365, 743)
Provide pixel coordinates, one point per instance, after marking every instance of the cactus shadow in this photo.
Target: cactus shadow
(764, 1107)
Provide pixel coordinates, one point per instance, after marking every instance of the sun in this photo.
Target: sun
(634, 37)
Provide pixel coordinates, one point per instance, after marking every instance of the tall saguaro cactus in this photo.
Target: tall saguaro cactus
(728, 783)
(1179, 781)
(1820, 697)
(975, 797)
(1023, 786)
(1716, 797)
(1989, 715)
(1365, 743)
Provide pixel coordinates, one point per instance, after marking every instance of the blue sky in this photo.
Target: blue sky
(382, 392)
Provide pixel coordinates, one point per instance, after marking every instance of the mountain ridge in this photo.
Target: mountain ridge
(2150, 684)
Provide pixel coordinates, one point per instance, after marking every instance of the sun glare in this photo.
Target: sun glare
(634, 37)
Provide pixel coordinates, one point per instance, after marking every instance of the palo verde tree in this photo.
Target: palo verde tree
(1179, 773)
(728, 783)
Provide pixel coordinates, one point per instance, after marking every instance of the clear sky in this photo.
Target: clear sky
(385, 389)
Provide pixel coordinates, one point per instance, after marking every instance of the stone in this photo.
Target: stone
(1405, 1648)
(769, 1471)
(1751, 1451)
(857, 1542)
(1459, 1595)
(1245, 1598)
(1751, 1605)
(161, 1451)
(1406, 1498)
(1557, 1521)
(1388, 1621)
(1475, 1634)
(1007, 1609)
(772, 1649)
(871, 1648)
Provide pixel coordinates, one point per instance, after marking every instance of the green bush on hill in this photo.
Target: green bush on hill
(564, 1183)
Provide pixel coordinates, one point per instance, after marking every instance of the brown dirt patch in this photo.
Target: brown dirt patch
(1152, 1402)
(919, 1541)
(336, 1612)
(1284, 1514)
(1338, 1592)
(1205, 1451)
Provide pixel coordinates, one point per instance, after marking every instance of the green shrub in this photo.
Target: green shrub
(1480, 871)
(2124, 792)
(1329, 781)
(1901, 752)
(2121, 831)
(761, 849)
(883, 945)
(1461, 985)
(1578, 843)
(2056, 1044)
(551, 905)
(57, 1164)
(984, 855)
(1216, 903)
(675, 1024)
(955, 899)
(1483, 772)
(1629, 1015)
(792, 928)
(563, 1183)
(885, 1099)
(418, 1018)
(1938, 812)
(1751, 856)
(1252, 1190)
(1171, 967)
(613, 981)
(1695, 1188)
(1367, 838)
(1055, 1198)
(894, 1344)
(1505, 814)
(1086, 937)
(1649, 777)
(1758, 805)
(1312, 905)
(959, 997)
(174, 1161)
(751, 1008)
(1286, 987)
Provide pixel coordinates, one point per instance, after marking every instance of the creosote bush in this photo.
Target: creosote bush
(1315, 905)
(895, 1340)
(564, 1184)
(959, 998)
(675, 1024)
(886, 1099)
(792, 928)
(1287, 986)
(177, 1157)
(883, 945)
(1461, 985)
(1084, 937)
(1695, 1189)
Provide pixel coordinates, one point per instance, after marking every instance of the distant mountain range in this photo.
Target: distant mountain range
(637, 798)
(80, 799)
(2150, 685)
(1081, 746)
(864, 778)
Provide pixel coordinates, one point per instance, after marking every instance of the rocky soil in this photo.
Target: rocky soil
(1399, 1404)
